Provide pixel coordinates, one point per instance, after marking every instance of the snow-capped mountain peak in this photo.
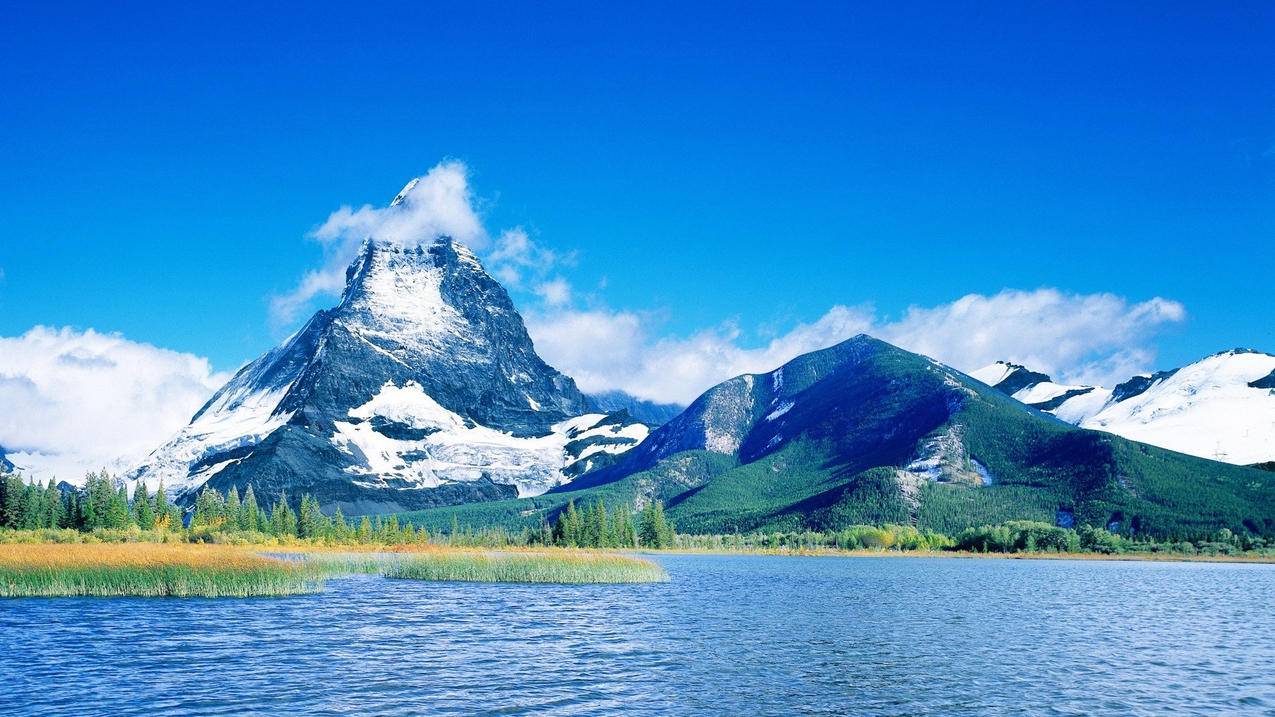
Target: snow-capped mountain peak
(402, 195)
(1221, 407)
(420, 387)
(1072, 403)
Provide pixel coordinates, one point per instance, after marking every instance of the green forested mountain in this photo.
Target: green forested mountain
(865, 432)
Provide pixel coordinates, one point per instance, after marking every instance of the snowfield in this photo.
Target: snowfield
(1209, 408)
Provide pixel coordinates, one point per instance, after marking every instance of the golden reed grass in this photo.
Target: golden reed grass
(146, 569)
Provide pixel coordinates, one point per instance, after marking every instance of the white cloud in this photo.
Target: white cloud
(438, 203)
(608, 350)
(555, 293)
(516, 250)
(79, 401)
(1091, 337)
(517, 257)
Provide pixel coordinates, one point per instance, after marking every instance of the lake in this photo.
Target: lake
(728, 635)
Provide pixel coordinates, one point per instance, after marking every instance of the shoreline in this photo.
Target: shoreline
(966, 555)
(436, 549)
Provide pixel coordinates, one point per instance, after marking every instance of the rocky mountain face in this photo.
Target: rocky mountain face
(865, 432)
(1221, 407)
(420, 388)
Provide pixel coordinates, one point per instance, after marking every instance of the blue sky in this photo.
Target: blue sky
(737, 171)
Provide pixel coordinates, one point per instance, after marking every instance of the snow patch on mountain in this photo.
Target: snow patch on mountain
(1077, 409)
(780, 410)
(403, 438)
(994, 373)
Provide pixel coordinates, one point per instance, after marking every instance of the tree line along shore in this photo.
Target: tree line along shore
(103, 511)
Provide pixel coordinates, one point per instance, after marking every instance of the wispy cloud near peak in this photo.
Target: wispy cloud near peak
(436, 204)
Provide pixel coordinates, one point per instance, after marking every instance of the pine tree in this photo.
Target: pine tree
(85, 507)
(15, 490)
(365, 530)
(274, 519)
(118, 515)
(283, 522)
(656, 531)
(665, 527)
(624, 535)
(32, 508)
(53, 506)
(311, 521)
(388, 531)
(595, 526)
(288, 525)
(143, 511)
(49, 501)
(570, 526)
(100, 506)
(250, 516)
(233, 511)
(339, 530)
(68, 510)
(4, 491)
(167, 515)
(209, 510)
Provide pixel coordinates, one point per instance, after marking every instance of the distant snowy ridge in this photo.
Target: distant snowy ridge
(1221, 407)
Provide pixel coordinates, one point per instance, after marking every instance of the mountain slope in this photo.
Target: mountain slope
(420, 388)
(1221, 407)
(864, 432)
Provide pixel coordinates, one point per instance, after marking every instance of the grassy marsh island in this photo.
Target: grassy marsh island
(555, 566)
(202, 570)
(513, 565)
(146, 570)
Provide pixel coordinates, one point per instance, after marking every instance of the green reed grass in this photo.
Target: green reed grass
(156, 581)
(553, 566)
(567, 568)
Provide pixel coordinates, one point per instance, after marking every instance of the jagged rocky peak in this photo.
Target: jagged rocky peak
(420, 387)
(432, 313)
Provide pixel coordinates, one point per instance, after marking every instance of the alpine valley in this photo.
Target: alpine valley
(421, 393)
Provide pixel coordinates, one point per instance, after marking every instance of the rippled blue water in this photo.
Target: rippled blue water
(727, 636)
